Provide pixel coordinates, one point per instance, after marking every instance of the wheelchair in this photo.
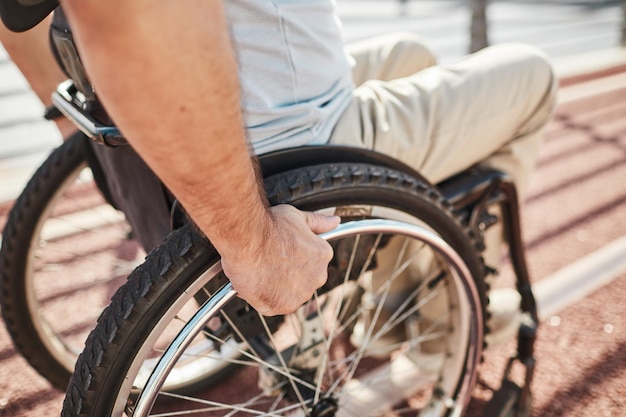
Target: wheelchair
(175, 339)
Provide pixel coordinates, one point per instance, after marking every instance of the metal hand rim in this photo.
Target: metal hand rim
(148, 395)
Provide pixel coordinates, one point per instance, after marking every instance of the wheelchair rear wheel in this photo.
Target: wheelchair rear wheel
(65, 251)
(345, 352)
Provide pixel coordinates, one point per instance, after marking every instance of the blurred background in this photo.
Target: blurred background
(454, 27)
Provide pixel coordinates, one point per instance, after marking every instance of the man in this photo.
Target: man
(192, 83)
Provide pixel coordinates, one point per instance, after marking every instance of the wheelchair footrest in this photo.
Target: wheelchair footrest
(506, 402)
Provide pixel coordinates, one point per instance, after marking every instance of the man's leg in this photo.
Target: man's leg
(488, 109)
(388, 57)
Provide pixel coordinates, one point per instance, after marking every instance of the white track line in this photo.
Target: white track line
(579, 279)
(82, 221)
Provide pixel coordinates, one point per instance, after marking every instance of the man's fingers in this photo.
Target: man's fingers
(320, 223)
(292, 265)
(317, 223)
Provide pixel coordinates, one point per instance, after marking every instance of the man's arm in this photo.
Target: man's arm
(166, 72)
(30, 51)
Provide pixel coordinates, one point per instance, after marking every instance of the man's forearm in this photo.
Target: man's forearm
(166, 73)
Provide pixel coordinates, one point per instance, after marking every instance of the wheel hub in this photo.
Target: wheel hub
(326, 407)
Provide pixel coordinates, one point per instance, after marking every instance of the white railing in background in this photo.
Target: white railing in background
(624, 23)
(479, 37)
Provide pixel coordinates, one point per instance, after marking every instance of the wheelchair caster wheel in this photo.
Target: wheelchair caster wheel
(506, 402)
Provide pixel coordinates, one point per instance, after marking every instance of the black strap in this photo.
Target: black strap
(21, 15)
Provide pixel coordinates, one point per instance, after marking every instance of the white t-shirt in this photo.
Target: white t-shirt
(295, 78)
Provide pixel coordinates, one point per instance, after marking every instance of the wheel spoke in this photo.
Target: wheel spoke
(398, 269)
(279, 354)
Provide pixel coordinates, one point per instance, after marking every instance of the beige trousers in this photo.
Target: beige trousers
(490, 108)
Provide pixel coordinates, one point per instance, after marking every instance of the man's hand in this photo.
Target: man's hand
(290, 265)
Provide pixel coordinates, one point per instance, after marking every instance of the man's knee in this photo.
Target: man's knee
(531, 62)
(408, 45)
(544, 79)
(531, 68)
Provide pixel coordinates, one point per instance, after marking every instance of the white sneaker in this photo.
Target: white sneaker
(382, 338)
(504, 308)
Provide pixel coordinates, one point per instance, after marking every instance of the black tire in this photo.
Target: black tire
(65, 251)
(48, 302)
(179, 268)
